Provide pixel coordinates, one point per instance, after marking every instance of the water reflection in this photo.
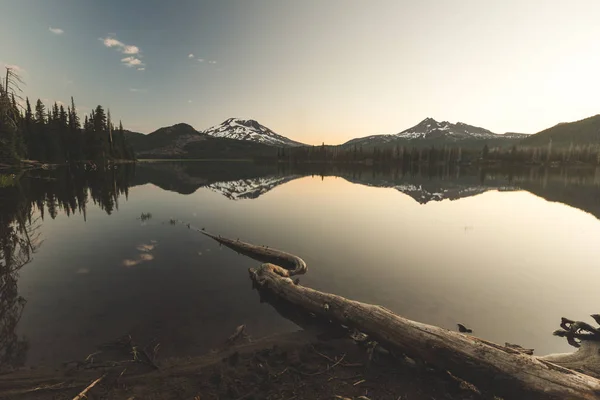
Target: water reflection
(576, 187)
(24, 203)
(18, 242)
(133, 272)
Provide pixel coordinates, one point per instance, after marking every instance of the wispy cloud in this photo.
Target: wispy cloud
(191, 55)
(132, 61)
(128, 49)
(201, 60)
(135, 90)
(189, 101)
(212, 62)
(56, 31)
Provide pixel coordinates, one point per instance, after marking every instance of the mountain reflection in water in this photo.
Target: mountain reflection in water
(180, 311)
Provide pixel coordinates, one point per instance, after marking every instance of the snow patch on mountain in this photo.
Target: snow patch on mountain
(424, 195)
(249, 188)
(251, 130)
(429, 128)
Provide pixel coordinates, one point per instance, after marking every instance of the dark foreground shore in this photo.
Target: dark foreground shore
(301, 365)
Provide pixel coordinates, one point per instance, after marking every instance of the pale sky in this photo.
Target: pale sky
(313, 70)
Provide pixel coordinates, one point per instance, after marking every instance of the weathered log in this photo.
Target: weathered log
(294, 264)
(585, 360)
(506, 371)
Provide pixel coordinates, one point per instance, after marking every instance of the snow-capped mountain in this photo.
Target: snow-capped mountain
(431, 130)
(250, 130)
(249, 188)
(423, 194)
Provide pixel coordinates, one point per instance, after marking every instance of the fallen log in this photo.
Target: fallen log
(292, 263)
(505, 370)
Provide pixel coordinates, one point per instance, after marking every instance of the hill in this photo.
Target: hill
(583, 132)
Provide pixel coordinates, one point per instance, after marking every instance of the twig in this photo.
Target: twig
(359, 382)
(325, 370)
(90, 358)
(56, 386)
(332, 360)
(83, 394)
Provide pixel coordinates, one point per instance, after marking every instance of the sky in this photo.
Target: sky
(312, 70)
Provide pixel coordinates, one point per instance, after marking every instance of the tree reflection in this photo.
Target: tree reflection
(19, 239)
(24, 203)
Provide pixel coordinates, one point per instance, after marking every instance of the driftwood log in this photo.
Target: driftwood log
(506, 371)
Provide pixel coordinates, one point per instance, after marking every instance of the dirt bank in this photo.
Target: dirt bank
(300, 365)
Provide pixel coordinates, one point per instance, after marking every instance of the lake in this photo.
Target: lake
(507, 253)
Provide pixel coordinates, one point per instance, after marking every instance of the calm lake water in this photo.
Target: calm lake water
(505, 253)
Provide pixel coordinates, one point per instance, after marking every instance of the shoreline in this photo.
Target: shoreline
(299, 365)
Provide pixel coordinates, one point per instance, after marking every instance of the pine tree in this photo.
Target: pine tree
(40, 113)
(99, 144)
(63, 131)
(38, 138)
(8, 128)
(75, 134)
(28, 128)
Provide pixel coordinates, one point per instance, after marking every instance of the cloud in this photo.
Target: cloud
(191, 55)
(132, 61)
(128, 49)
(212, 62)
(189, 101)
(56, 31)
(201, 60)
(134, 90)
(112, 42)
(131, 50)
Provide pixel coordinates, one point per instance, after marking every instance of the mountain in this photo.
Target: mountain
(431, 132)
(170, 139)
(183, 141)
(249, 130)
(234, 180)
(583, 132)
(249, 188)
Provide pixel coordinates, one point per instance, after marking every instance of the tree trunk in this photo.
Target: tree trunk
(505, 371)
